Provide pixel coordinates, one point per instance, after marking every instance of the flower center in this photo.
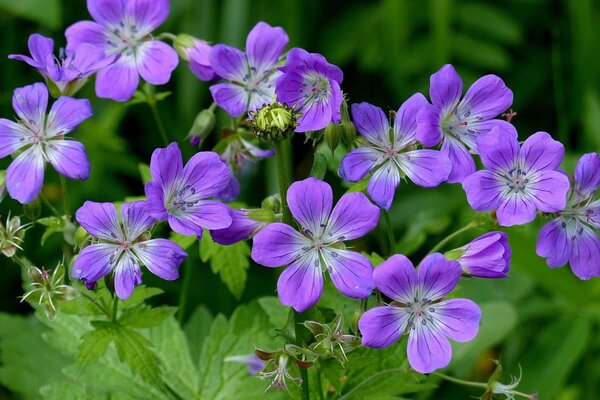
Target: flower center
(182, 199)
(516, 179)
(124, 39)
(315, 87)
(420, 312)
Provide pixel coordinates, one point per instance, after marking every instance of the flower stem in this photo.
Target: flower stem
(298, 324)
(50, 206)
(65, 195)
(451, 236)
(460, 381)
(159, 123)
(387, 222)
(185, 289)
(115, 308)
(283, 164)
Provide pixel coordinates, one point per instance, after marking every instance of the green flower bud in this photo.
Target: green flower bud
(203, 125)
(69, 232)
(2, 184)
(348, 132)
(183, 42)
(274, 122)
(81, 237)
(455, 254)
(262, 215)
(333, 135)
(272, 203)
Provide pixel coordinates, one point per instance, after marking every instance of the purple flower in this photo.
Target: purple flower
(457, 123)
(311, 85)
(199, 56)
(488, 256)
(518, 182)
(123, 247)
(251, 75)
(572, 236)
(178, 193)
(319, 245)
(40, 138)
(416, 309)
(391, 154)
(123, 28)
(252, 362)
(70, 71)
(242, 227)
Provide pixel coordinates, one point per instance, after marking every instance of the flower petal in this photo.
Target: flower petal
(380, 327)
(549, 190)
(199, 56)
(487, 256)
(310, 202)
(429, 130)
(540, 152)
(352, 217)
(487, 97)
(264, 46)
(585, 256)
(94, 262)
(554, 244)
(207, 174)
(107, 12)
(457, 319)
(358, 163)
(462, 161)
(516, 209)
(383, 183)
(147, 14)
(161, 256)
(587, 175)
(371, 123)
(427, 168)
(229, 63)
(136, 219)
(30, 104)
(484, 190)
(118, 81)
(85, 32)
(231, 98)
(66, 113)
(428, 349)
(166, 165)
(278, 244)
(25, 175)
(206, 214)
(437, 276)
(445, 88)
(241, 228)
(42, 52)
(397, 278)
(100, 220)
(499, 148)
(155, 203)
(300, 285)
(351, 272)
(12, 137)
(315, 115)
(405, 124)
(127, 276)
(69, 158)
(156, 61)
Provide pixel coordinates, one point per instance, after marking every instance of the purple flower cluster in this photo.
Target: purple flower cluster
(573, 236)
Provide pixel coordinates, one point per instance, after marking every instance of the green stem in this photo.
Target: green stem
(50, 206)
(285, 177)
(115, 308)
(451, 236)
(387, 222)
(65, 195)
(22, 262)
(167, 35)
(305, 393)
(460, 381)
(212, 107)
(93, 301)
(185, 288)
(159, 123)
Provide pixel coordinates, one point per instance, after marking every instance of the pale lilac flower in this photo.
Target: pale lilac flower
(488, 256)
(123, 28)
(252, 74)
(318, 246)
(70, 71)
(416, 309)
(573, 236)
(312, 86)
(242, 227)
(199, 56)
(457, 122)
(179, 193)
(251, 361)
(391, 154)
(123, 246)
(40, 138)
(518, 181)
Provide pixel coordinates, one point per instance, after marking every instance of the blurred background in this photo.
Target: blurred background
(547, 52)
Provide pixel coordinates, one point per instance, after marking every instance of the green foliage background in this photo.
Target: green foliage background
(543, 320)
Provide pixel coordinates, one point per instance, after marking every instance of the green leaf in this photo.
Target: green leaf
(144, 316)
(44, 12)
(230, 262)
(134, 349)
(319, 167)
(94, 344)
(53, 225)
(184, 241)
(196, 330)
(145, 172)
(140, 294)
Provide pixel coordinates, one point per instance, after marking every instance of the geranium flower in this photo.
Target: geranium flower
(70, 71)
(123, 28)
(487, 256)
(518, 181)
(457, 122)
(573, 236)
(312, 86)
(318, 246)
(392, 154)
(40, 138)
(416, 309)
(123, 246)
(180, 193)
(252, 74)
(242, 227)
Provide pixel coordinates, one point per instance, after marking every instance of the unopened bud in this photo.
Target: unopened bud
(348, 132)
(182, 43)
(333, 135)
(69, 232)
(273, 122)
(81, 237)
(272, 203)
(262, 215)
(11, 236)
(203, 125)
(2, 184)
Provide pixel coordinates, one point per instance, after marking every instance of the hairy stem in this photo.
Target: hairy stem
(387, 222)
(460, 381)
(284, 174)
(159, 123)
(115, 308)
(65, 196)
(50, 206)
(451, 236)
